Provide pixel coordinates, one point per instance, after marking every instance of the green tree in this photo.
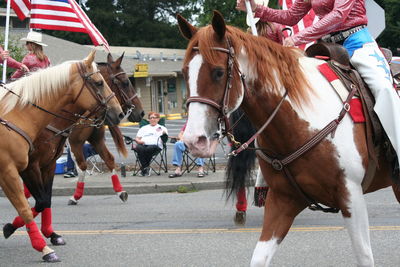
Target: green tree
(17, 52)
(152, 22)
(227, 8)
(390, 37)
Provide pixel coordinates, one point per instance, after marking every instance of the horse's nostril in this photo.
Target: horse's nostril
(121, 115)
(202, 140)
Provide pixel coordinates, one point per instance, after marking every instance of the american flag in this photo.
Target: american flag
(307, 21)
(62, 15)
(21, 8)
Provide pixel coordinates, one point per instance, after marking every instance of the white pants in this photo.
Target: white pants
(374, 69)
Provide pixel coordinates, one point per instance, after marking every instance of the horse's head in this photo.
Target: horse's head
(119, 82)
(91, 92)
(214, 83)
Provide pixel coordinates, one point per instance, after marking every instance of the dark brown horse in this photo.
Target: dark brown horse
(119, 82)
(289, 101)
(41, 96)
(38, 176)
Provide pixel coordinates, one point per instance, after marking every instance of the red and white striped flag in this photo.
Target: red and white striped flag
(64, 15)
(21, 8)
(307, 21)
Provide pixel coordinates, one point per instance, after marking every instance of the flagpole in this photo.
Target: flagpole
(6, 39)
(251, 18)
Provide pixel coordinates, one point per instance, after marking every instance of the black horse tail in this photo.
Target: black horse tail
(241, 167)
(118, 140)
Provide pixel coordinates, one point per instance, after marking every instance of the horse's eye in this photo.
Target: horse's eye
(99, 83)
(217, 74)
(125, 83)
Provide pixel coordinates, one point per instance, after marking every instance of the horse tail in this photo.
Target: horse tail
(118, 140)
(240, 168)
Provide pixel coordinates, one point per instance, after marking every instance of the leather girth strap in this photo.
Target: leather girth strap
(16, 129)
(374, 134)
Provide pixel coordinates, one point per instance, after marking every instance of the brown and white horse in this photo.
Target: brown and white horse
(226, 68)
(27, 106)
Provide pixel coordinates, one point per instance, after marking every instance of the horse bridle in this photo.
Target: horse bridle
(223, 107)
(89, 83)
(127, 101)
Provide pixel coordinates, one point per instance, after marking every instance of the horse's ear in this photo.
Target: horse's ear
(90, 58)
(187, 30)
(218, 24)
(117, 63)
(110, 58)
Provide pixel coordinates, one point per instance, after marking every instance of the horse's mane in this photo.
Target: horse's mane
(40, 85)
(276, 65)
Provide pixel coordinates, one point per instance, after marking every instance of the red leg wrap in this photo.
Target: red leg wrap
(46, 227)
(19, 222)
(80, 186)
(37, 240)
(26, 192)
(116, 184)
(241, 204)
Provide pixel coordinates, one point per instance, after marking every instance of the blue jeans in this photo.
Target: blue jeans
(179, 147)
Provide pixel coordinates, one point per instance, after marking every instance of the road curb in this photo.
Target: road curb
(151, 188)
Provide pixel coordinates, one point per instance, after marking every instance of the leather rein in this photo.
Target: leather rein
(127, 102)
(279, 164)
(90, 84)
(223, 107)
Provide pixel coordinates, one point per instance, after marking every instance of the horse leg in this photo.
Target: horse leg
(81, 166)
(241, 207)
(29, 175)
(279, 213)
(13, 189)
(46, 227)
(26, 192)
(357, 225)
(100, 147)
(18, 222)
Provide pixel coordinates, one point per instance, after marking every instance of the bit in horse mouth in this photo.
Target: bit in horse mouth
(215, 136)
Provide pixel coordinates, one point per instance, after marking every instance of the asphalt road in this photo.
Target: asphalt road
(196, 229)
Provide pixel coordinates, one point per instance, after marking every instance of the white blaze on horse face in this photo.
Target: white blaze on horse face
(263, 252)
(202, 118)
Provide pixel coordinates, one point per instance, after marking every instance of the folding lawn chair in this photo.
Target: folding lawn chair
(158, 161)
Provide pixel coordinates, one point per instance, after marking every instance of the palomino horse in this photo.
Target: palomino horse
(119, 82)
(38, 176)
(28, 106)
(226, 68)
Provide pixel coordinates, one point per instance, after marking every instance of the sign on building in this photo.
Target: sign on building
(141, 70)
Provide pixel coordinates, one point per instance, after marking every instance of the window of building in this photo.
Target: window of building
(172, 94)
(2, 21)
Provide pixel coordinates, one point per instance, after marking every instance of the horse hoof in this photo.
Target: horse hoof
(240, 218)
(72, 202)
(51, 257)
(8, 230)
(123, 196)
(57, 240)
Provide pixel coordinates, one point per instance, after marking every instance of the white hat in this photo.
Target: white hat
(34, 37)
(258, 2)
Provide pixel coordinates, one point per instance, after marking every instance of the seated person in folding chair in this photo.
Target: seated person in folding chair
(149, 142)
(179, 148)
